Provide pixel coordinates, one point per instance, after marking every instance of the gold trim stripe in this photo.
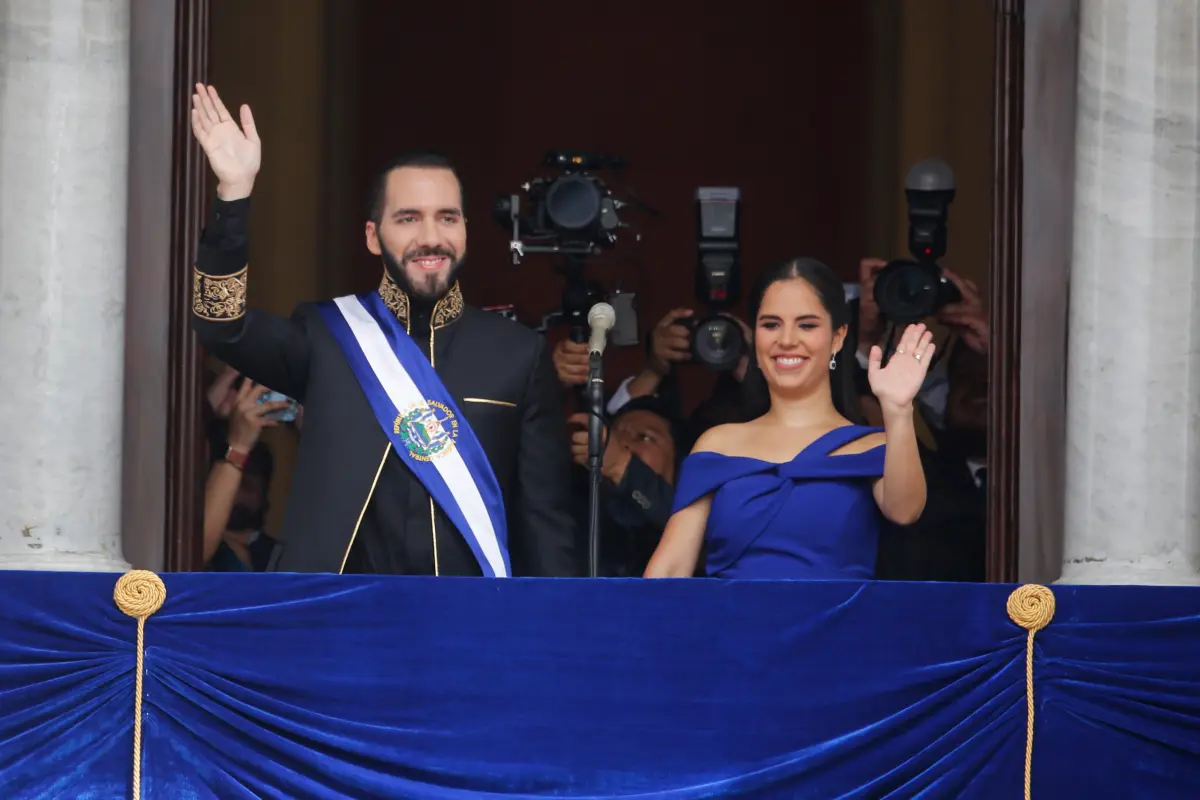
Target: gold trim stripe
(433, 527)
(504, 403)
(366, 503)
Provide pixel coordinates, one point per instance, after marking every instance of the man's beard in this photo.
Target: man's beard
(430, 287)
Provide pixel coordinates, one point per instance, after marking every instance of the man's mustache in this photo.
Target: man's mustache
(425, 252)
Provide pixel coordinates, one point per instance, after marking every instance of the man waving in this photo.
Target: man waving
(434, 441)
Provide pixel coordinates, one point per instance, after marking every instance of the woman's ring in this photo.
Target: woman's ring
(917, 356)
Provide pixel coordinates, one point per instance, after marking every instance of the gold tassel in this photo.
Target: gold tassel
(139, 594)
(1032, 607)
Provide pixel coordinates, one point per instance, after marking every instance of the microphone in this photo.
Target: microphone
(600, 318)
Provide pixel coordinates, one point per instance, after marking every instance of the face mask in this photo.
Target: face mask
(242, 518)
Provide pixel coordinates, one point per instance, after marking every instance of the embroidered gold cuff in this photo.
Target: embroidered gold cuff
(219, 298)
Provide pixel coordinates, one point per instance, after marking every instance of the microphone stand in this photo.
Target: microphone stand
(595, 451)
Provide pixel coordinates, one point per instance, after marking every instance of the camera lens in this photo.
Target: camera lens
(717, 342)
(908, 291)
(573, 203)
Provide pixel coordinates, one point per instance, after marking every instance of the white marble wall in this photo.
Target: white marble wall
(1133, 393)
(64, 96)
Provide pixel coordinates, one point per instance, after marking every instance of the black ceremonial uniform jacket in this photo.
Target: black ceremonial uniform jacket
(354, 505)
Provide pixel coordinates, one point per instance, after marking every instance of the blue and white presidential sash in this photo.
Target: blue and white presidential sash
(422, 422)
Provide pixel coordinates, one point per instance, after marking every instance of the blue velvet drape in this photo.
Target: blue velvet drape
(322, 686)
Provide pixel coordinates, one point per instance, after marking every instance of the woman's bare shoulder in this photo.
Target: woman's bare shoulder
(723, 439)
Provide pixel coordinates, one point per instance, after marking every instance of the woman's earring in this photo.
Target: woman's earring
(833, 363)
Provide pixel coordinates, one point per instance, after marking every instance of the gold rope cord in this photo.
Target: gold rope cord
(1032, 607)
(139, 593)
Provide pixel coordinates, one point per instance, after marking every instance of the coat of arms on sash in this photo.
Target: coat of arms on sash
(428, 430)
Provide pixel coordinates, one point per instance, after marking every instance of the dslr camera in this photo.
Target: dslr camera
(717, 341)
(910, 291)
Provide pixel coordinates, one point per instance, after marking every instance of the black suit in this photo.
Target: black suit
(354, 505)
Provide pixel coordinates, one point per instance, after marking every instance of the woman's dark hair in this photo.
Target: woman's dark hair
(833, 297)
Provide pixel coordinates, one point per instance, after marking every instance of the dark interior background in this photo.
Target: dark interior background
(736, 98)
(815, 114)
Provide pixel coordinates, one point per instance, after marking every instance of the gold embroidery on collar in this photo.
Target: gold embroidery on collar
(394, 298)
(445, 311)
(219, 298)
(448, 309)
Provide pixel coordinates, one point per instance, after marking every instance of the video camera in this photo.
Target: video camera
(717, 340)
(910, 291)
(573, 214)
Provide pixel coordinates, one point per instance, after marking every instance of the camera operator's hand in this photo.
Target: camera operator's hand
(616, 454)
(249, 417)
(571, 362)
(669, 343)
(578, 425)
(870, 323)
(739, 372)
(967, 318)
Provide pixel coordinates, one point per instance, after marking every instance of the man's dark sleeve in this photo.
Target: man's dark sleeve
(269, 350)
(644, 493)
(543, 538)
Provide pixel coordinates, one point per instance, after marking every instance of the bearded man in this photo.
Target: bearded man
(434, 441)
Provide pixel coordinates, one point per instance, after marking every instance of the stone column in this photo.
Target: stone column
(1133, 389)
(64, 104)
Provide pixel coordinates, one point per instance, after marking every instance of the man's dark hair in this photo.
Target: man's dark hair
(422, 159)
(665, 409)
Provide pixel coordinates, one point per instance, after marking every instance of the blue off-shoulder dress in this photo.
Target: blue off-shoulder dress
(813, 518)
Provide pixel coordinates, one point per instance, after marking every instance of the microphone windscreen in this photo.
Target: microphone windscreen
(602, 315)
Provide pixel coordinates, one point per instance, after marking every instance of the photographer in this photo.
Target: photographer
(641, 454)
(948, 542)
(669, 344)
(966, 350)
(239, 478)
(713, 337)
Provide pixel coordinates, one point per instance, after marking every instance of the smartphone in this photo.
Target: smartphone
(282, 414)
(625, 332)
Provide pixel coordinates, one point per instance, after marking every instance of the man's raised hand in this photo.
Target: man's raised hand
(234, 153)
